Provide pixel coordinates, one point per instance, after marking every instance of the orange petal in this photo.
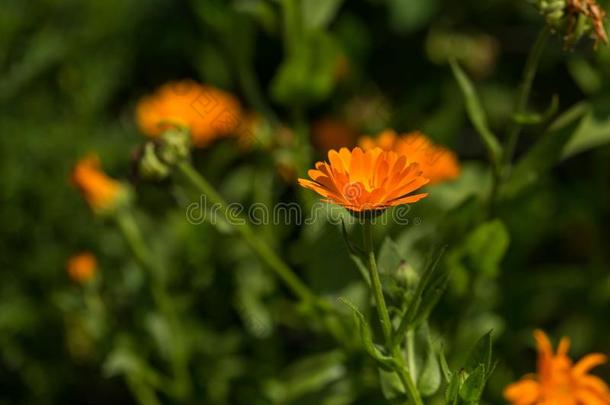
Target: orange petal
(587, 363)
(524, 392)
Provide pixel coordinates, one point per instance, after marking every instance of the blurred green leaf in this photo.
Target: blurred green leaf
(391, 386)
(546, 152)
(317, 14)
(486, 247)
(430, 379)
(476, 113)
(123, 361)
(306, 76)
(310, 374)
(593, 130)
(538, 118)
(585, 75)
(407, 16)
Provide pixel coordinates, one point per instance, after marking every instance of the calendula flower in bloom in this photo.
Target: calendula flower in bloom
(438, 163)
(82, 267)
(363, 181)
(100, 191)
(558, 381)
(207, 112)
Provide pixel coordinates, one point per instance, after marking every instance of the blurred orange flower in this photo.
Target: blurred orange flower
(438, 163)
(558, 381)
(100, 191)
(82, 267)
(366, 181)
(330, 133)
(207, 112)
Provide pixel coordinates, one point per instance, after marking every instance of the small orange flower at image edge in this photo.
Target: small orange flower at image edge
(558, 381)
(366, 181)
(207, 112)
(100, 191)
(438, 163)
(82, 267)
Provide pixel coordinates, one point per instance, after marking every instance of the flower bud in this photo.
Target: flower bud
(103, 194)
(82, 267)
(150, 166)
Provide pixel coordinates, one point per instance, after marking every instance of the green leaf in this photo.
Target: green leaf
(480, 355)
(475, 111)
(367, 337)
(123, 361)
(546, 152)
(472, 389)
(407, 16)
(536, 118)
(593, 130)
(429, 290)
(317, 14)
(389, 258)
(356, 254)
(430, 379)
(307, 375)
(391, 386)
(445, 366)
(306, 76)
(486, 247)
(453, 389)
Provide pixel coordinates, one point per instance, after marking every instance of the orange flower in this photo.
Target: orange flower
(205, 111)
(438, 163)
(82, 267)
(100, 191)
(329, 133)
(558, 381)
(366, 181)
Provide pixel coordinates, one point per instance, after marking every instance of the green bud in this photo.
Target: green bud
(150, 166)
(174, 146)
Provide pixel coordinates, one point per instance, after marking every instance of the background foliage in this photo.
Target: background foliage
(70, 74)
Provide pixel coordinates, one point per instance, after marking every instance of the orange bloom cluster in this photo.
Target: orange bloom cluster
(100, 191)
(205, 111)
(366, 181)
(82, 267)
(558, 381)
(438, 163)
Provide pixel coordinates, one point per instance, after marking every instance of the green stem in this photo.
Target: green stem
(179, 361)
(407, 382)
(529, 73)
(248, 234)
(384, 317)
(382, 310)
(411, 352)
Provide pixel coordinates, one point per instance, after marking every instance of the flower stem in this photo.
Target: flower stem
(384, 317)
(248, 234)
(382, 310)
(529, 73)
(131, 231)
